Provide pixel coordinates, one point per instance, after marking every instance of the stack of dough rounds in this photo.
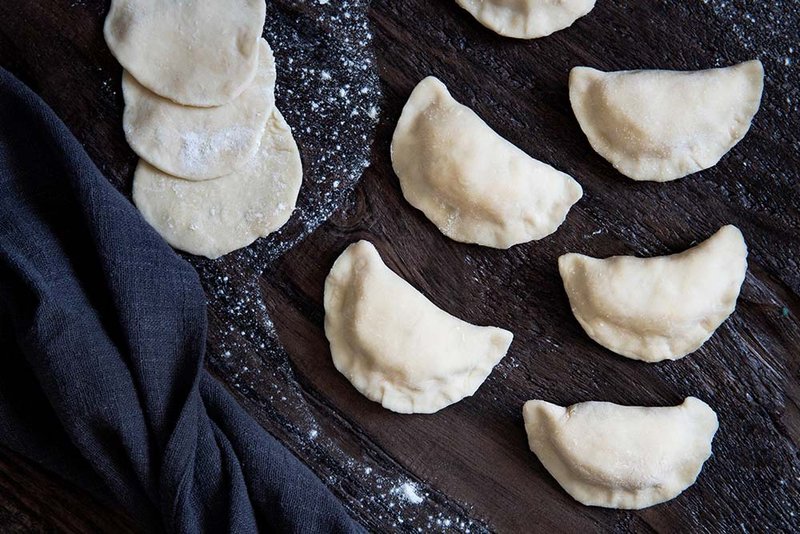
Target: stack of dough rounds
(219, 166)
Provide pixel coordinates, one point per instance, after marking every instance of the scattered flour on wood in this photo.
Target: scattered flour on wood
(329, 92)
(409, 492)
(765, 30)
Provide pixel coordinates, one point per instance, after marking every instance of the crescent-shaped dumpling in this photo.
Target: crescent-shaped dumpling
(199, 143)
(394, 345)
(661, 125)
(475, 186)
(661, 308)
(629, 457)
(527, 19)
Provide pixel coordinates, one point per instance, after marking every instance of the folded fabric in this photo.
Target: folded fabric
(102, 340)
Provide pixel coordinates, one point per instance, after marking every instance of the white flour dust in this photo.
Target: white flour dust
(198, 149)
(406, 505)
(329, 93)
(409, 491)
(765, 29)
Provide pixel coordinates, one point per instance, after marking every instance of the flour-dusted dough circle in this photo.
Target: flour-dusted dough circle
(475, 186)
(394, 345)
(661, 125)
(195, 52)
(661, 308)
(627, 457)
(214, 217)
(527, 19)
(199, 143)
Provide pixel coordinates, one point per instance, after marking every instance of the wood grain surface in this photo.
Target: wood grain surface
(468, 467)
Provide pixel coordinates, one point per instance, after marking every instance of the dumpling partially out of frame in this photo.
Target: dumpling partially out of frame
(661, 125)
(661, 308)
(527, 19)
(394, 345)
(614, 456)
(475, 186)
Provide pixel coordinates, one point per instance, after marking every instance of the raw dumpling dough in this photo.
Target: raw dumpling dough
(655, 309)
(195, 52)
(199, 143)
(616, 456)
(527, 19)
(214, 217)
(475, 186)
(661, 125)
(394, 345)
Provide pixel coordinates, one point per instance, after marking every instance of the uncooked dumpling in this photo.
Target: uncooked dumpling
(214, 217)
(475, 186)
(195, 52)
(629, 457)
(199, 143)
(527, 19)
(661, 308)
(394, 345)
(661, 125)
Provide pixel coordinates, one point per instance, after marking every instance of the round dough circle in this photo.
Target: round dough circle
(195, 52)
(199, 143)
(214, 217)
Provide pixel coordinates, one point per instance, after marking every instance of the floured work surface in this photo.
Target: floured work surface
(468, 467)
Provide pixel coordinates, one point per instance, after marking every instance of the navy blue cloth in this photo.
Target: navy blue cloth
(102, 340)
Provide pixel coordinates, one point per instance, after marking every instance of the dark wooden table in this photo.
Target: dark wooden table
(468, 467)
